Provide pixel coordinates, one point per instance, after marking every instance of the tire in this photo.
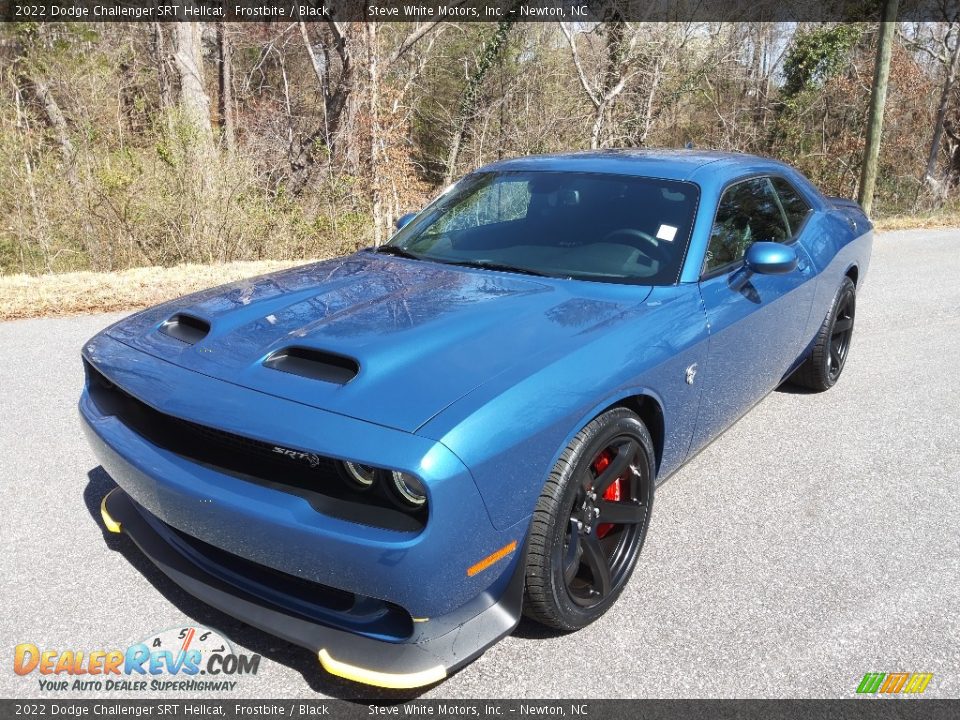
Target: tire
(831, 346)
(567, 584)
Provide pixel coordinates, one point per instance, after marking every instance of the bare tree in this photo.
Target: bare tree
(338, 87)
(468, 101)
(373, 94)
(614, 75)
(188, 58)
(55, 119)
(225, 95)
(878, 99)
(158, 49)
(944, 50)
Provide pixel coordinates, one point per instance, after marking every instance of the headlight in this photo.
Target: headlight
(409, 489)
(362, 476)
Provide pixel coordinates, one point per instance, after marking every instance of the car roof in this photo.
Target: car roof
(661, 163)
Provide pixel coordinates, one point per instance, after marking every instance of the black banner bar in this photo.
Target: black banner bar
(855, 709)
(470, 10)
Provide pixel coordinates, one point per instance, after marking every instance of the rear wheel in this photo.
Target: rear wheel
(590, 522)
(832, 345)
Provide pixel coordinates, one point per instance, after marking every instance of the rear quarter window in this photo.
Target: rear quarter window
(794, 206)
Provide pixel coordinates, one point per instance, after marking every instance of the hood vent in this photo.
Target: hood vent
(314, 364)
(186, 328)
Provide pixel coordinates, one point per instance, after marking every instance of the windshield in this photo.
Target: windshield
(589, 226)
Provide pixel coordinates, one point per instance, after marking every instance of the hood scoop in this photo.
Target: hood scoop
(185, 328)
(314, 364)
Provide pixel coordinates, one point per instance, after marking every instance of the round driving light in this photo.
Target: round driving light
(409, 489)
(360, 475)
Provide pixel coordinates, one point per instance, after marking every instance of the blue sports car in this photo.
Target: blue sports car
(388, 457)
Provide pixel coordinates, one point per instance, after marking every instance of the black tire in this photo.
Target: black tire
(831, 347)
(567, 586)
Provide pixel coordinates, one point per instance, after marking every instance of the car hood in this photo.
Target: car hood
(422, 334)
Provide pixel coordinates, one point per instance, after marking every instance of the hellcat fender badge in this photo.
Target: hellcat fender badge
(691, 374)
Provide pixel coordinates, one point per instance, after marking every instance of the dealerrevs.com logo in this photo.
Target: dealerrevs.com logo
(189, 659)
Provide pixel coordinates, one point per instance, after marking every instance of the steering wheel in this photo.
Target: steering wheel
(651, 248)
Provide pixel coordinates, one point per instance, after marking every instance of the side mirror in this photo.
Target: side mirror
(404, 219)
(771, 258)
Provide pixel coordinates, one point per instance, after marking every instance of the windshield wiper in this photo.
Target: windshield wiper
(397, 251)
(481, 264)
(484, 265)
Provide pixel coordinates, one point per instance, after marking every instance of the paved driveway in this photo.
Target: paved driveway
(817, 540)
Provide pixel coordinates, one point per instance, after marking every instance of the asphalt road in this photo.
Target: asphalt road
(817, 540)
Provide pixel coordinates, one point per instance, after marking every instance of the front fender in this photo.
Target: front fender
(511, 431)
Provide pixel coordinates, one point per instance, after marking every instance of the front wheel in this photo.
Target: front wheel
(590, 522)
(822, 369)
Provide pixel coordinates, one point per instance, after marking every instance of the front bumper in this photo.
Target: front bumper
(408, 604)
(452, 641)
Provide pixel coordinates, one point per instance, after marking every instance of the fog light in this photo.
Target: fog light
(362, 476)
(409, 489)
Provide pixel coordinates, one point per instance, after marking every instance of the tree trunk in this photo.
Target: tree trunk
(321, 75)
(55, 120)
(226, 88)
(613, 76)
(651, 99)
(878, 98)
(598, 117)
(953, 151)
(373, 80)
(163, 68)
(188, 57)
(337, 97)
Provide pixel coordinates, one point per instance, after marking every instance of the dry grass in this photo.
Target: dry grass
(948, 219)
(25, 296)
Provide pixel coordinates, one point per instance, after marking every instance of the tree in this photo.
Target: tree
(225, 96)
(188, 59)
(613, 75)
(468, 101)
(878, 98)
(947, 56)
(351, 44)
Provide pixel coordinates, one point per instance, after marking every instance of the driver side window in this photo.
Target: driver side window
(748, 212)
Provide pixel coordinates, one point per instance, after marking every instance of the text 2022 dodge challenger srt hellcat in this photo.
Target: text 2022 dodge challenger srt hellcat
(387, 457)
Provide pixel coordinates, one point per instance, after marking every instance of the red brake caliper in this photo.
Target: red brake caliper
(613, 491)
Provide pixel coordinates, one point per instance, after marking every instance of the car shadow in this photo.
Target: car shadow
(788, 388)
(532, 630)
(99, 483)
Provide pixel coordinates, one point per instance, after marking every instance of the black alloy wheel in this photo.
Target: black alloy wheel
(840, 335)
(831, 346)
(591, 522)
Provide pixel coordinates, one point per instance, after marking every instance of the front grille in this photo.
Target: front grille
(311, 600)
(249, 449)
(295, 471)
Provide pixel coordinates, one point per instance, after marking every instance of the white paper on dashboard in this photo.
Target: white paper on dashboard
(666, 232)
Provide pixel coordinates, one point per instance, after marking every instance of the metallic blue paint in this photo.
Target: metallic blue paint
(404, 220)
(473, 380)
(771, 258)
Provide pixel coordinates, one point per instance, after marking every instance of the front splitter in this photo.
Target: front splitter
(451, 642)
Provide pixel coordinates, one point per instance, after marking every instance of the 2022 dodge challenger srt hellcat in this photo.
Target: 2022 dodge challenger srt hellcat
(387, 457)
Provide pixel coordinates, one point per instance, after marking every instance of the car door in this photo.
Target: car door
(756, 322)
